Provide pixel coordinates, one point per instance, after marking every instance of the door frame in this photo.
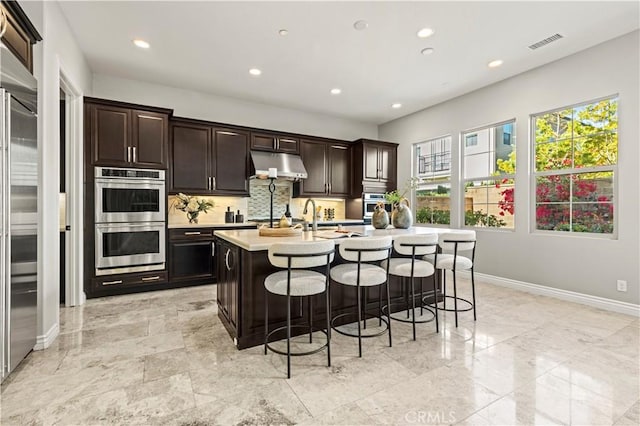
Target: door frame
(74, 164)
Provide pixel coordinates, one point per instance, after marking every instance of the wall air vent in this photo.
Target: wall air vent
(545, 41)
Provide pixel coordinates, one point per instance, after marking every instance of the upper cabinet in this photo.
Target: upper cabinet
(208, 160)
(374, 165)
(274, 143)
(328, 167)
(125, 135)
(18, 33)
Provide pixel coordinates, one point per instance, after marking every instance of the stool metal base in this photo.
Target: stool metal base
(284, 327)
(366, 317)
(408, 320)
(460, 299)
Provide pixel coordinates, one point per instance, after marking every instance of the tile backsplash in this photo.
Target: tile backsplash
(256, 206)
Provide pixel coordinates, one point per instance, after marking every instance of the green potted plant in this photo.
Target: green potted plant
(401, 216)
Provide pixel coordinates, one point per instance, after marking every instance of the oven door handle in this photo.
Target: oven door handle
(151, 227)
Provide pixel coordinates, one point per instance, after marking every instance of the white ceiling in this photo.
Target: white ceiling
(210, 46)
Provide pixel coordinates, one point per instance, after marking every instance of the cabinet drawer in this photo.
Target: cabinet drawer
(128, 280)
(191, 234)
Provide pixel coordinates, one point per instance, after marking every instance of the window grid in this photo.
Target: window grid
(603, 205)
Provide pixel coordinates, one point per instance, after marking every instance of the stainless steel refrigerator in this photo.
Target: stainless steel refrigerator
(18, 211)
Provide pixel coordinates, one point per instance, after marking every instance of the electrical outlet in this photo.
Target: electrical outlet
(622, 285)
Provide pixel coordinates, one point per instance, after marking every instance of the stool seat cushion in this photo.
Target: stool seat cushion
(370, 275)
(402, 267)
(445, 261)
(303, 283)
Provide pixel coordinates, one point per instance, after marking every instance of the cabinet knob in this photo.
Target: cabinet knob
(154, 278)
(128, 154)
(134, 154)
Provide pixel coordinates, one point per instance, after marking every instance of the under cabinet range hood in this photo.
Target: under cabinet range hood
(288, 166)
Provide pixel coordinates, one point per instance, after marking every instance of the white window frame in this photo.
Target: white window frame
(535, 174)
(463, 179)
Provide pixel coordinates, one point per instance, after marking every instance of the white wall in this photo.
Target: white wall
(570, 262)
(203, 106)
(57, 50)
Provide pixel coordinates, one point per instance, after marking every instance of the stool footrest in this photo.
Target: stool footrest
(296, 353)
(460, 299)
(365, 316)
(428, 308)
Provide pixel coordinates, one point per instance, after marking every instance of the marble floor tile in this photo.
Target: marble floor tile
(164, 358)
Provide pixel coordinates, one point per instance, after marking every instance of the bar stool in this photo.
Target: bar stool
(362, 274)
(452, 243)
(414, 245)
(298, 283)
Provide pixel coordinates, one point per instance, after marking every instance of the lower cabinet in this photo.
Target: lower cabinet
(228, 274)
(191, 255)
(118, 284)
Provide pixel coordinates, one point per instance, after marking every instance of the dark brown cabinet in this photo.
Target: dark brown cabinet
(190, 169)
(191, 255)
(328, 167)
(119, 284)
(18, 33)
(274, 143)
(208, 160)
(228, 281)
(124, 135)
(374, 166)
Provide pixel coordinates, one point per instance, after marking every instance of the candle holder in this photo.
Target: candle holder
(272, 189)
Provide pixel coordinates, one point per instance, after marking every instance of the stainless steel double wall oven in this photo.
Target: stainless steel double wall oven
(130, 214)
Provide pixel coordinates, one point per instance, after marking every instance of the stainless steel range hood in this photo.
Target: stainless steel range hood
(288, 166)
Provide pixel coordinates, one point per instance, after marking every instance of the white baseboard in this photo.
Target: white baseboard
(570, 296)
(45, 340)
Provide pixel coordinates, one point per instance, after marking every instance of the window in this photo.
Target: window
(432, 165)
(575, 157)
(489, 169)
(471, 140)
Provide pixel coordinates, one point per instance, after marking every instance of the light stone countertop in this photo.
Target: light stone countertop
(212, 225)
(250, 240)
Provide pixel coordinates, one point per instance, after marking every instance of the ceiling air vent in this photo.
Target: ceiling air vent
(545, 41)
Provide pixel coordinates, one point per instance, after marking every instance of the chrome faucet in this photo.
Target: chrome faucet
(314, 223)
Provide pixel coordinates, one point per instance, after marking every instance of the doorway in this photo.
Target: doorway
(71, 193)
(62, 199)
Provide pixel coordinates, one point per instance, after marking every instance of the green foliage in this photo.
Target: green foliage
(471, 218)
(395, 196)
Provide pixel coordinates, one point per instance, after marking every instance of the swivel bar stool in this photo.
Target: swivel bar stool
(451, 244)
(362, 274)
(294, 282)
(403, 267)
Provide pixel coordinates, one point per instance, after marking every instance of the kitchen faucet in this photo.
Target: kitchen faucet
(314, 223)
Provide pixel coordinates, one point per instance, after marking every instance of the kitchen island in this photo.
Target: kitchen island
(243, 264)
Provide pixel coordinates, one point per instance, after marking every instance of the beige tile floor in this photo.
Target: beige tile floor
(164, 358)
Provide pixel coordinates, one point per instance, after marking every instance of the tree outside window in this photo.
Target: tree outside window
(575, 159)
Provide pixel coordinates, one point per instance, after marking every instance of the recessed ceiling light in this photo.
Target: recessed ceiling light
(425, 32)
(396, 106)
(283, 32)
(255, 71)
(141, 43)
(336, 91)
(427, 51)
(360, 25)
(495, 63)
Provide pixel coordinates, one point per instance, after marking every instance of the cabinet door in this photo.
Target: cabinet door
(387, 163)
(263, 142)
(315, 161)
(288, 145)
(222, 275)
(150, 137)
(110, 135)
(339, 170)
(231, 158)
(371, 166)
(233, 266)
(191, 260)
(190, 159)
